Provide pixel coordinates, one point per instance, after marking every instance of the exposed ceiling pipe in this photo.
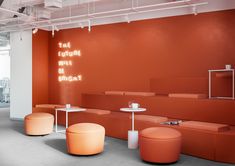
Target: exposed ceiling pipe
(100, 13)
(114, 15)
(51, 25)
(66, 3)
(142, 7)
(153, 10)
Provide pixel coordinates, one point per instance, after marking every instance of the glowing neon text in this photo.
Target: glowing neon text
(63, 64)
(64, 45)
(69, 53)
(70, 78)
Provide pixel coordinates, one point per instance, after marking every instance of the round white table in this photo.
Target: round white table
(133, 134)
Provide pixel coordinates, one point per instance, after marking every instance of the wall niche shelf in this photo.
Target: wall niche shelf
(221, 73)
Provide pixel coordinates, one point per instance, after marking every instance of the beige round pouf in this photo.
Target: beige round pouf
(85, 139)
(38, 123)
(160, 145)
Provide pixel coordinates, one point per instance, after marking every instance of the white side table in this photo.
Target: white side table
(221, 70)
(133, 134)
(66, 110)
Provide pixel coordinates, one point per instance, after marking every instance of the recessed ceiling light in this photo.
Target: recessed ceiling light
(195, 12)
(127, 19)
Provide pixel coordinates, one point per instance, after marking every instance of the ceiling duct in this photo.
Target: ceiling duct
(43, 14)
(53, 4)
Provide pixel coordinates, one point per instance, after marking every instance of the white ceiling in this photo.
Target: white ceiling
(16, 15)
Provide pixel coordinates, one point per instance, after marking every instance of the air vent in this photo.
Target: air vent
(53, 4)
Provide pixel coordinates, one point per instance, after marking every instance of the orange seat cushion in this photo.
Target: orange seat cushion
(39, 115)
(114, 92)
(98, 111)
(85, 139)
(205, 126)
(160, 133)
(49, 106)
(160, 145)
(38, 123)
(140, 93)
(85, 128)
(188, 95)
(149, 118)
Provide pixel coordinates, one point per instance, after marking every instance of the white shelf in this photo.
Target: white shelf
(221, 70)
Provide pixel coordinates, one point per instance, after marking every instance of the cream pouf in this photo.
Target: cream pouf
(85, 139)
(38, 123)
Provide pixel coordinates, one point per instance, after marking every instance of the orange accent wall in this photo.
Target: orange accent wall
(127, 56)
(40, 67)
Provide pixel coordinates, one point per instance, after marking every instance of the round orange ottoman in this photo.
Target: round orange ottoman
(85, 139)
(160, 145)
(38, 123)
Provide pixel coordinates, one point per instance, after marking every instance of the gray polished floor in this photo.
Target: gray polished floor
(17, 149)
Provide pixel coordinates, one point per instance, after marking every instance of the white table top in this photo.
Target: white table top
(221, 70)
(133, 110)
(75, 109)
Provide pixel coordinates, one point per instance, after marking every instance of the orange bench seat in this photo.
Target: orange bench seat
(188, 95)
(205, 126)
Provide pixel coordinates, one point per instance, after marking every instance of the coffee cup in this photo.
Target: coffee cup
(228, 66)
(67, 105)
(135, 105)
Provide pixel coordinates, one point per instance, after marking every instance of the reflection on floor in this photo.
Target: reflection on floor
(17, 149)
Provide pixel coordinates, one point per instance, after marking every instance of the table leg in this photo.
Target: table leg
(66, 120)
(233, 83)
(133, 121)
(209, 84)
(56, 121)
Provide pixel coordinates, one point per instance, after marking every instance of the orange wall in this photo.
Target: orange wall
(40, 67)
(126, 56)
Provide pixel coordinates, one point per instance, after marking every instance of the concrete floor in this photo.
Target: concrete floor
(17, 149)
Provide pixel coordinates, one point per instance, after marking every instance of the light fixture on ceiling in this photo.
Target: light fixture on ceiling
(35, 30)
(53, 31)
(81, 25)
(127, 19)
(89, 25)
(195, 12)
(56, 28)
(21, 35)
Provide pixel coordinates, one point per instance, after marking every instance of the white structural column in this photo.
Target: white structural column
(21, 74)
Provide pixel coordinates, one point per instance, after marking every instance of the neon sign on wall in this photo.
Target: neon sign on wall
(62, 64)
